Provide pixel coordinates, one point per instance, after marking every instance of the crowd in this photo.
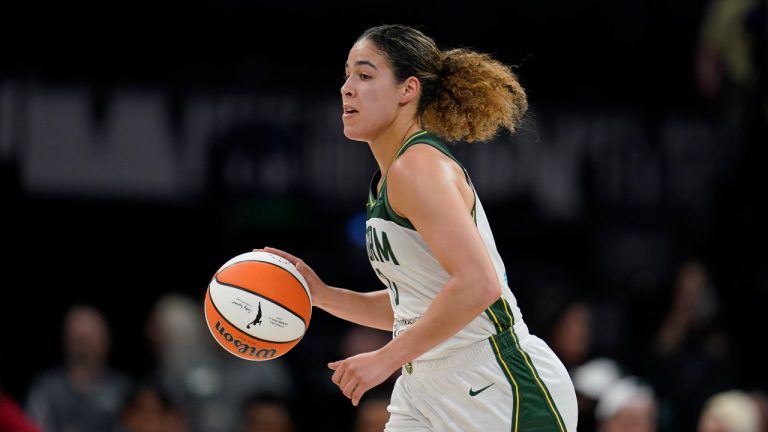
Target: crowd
(195, 386)
(681, 378)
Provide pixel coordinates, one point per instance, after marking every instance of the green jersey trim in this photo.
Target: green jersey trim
(378, 203)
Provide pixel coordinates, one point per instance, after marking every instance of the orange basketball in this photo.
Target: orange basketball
(258, 306)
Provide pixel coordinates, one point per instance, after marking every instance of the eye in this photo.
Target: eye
(364, 77)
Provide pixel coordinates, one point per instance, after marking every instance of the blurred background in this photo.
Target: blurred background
(144, 144)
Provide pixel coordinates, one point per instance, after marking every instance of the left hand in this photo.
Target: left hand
(358, 374)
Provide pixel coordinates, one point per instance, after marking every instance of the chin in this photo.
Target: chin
(350, 133)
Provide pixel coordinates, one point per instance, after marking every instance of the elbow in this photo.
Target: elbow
(487, 291)
(491, 292)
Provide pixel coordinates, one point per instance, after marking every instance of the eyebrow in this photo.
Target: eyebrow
(361, 63)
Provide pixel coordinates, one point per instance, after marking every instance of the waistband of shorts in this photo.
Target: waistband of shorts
(478, 351)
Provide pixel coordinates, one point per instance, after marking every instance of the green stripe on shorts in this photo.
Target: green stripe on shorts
(500, 315)
(534, 409)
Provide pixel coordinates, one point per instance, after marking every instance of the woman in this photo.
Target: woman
(468, 360)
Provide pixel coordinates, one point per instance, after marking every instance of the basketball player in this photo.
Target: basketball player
(468, 360)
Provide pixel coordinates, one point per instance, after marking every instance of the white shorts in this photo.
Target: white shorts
(499, 384)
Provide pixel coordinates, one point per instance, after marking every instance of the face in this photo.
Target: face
(370, 95)
(85, 336)
(572, 336)
(146, 414)
(372, 416)
(639, 416)
(268, 417)
(711, 423)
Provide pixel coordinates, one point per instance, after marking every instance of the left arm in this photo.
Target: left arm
(430, 190)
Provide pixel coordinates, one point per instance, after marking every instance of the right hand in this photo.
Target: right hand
(317, 287)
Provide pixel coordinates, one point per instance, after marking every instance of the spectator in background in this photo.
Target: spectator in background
(692, 357)
(728, 64)
(12, 418)
(208, 384)
(148, 409)
(571, 333)
(693, 309)
(267, 413)
(761, 401)
(86, 393)
(372, 414)
(731, 67)
(591, 380)
(730, 411)
(627, 405)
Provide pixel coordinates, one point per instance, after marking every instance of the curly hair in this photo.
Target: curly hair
(465, 95)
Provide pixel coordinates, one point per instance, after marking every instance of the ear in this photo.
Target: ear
(409, 90)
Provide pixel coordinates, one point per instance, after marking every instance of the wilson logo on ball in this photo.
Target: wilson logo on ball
(280, 294)
(244, 348)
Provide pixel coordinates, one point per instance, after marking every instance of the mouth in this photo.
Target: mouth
(348, 111)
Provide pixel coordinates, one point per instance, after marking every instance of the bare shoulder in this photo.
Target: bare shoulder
(423, 162)
(424, 177)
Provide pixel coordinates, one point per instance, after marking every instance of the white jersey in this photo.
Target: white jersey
(403, 261)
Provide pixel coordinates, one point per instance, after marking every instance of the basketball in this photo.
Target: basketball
(258, 306)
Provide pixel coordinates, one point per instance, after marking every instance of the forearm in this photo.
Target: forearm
(455, 307)
(372, 309)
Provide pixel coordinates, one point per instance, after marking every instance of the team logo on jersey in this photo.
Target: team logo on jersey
(379, 248)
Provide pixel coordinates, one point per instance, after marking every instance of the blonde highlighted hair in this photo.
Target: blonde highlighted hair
(465, 95)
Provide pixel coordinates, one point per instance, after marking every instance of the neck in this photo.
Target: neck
(385, 147)
(84, 376)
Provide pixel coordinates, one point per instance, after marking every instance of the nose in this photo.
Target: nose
(346, 89)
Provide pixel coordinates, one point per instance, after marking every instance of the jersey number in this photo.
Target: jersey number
(392, 287)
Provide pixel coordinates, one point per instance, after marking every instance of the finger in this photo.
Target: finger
(333, 365)
(344, 383)
(349, 388)
(357, 394)
(304, 270)
(337, 375)
(293, 259)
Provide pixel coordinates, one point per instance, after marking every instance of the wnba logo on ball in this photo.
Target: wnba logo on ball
(264, 302)
(243, 347)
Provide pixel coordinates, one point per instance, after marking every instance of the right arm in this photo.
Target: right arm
(370, 309)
